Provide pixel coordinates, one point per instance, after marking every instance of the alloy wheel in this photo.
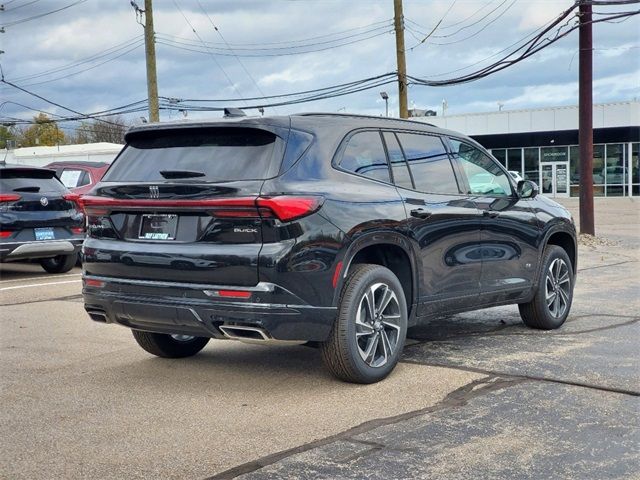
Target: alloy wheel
(557, 288)
(377, 325)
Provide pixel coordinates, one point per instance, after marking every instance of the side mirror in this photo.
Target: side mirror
(527, 189)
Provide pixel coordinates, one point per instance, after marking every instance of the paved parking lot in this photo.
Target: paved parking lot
(476, 396)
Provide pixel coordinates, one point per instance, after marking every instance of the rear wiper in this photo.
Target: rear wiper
(27, 189)
(180, 174)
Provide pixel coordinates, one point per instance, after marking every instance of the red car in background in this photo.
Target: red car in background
(79, 176)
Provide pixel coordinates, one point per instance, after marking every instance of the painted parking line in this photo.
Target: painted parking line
(12, 280)
(32, 285)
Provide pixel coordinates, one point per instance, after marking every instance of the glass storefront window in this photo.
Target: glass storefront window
(553, 154)
(615, 174)
(635, 170)
(531, 164)
(598, 170)
(514, 160)
(501, 155)
(574, 170)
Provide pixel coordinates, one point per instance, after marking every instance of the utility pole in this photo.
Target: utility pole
(585, 134)
(402, 63)
(150, 52)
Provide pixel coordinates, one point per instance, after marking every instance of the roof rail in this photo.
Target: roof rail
(357, 115)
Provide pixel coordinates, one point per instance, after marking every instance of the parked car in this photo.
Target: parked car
(79, 176)
(39, 218)
(516, 175)
(337, 230)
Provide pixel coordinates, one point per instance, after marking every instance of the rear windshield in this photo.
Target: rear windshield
(203, 155)
(27, 180)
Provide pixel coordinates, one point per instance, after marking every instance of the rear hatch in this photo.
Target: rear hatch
(35, 205)
(180, 205)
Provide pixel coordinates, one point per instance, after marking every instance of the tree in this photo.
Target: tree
(6, 134)
(110, 129)
(44, 131)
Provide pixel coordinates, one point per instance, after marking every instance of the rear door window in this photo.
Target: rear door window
(28, 180)
(73, 177)
(220, 154)
(364, 155)
(430, 166)
(399, 167)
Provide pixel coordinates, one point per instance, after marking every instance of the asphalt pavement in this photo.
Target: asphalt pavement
(476, 395)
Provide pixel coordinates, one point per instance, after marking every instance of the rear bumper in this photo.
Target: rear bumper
(193, 309)
(11, 251)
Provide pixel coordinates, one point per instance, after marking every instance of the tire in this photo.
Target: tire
(169, 346)
(60, 263)
(349, 352)
(552, 301)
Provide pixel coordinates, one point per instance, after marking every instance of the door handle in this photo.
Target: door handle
(420, 213)
(490, 214)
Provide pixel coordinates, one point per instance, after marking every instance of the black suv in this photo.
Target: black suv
(39, 218)
(336, 230)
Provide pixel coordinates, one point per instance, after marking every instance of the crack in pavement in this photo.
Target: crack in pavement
(455, 399)
(66, 298)
(607, 265)
(524, 377)
(497, 332)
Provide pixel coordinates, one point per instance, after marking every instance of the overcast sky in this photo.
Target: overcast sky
(469, 32)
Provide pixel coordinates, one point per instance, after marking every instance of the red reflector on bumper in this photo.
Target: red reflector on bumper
(90, 282)
(77, 230)
(228, 293)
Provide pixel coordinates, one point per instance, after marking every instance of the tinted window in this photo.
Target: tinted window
(429, 163)
(401, 175)
(365, 156)
(220, 154)
(15, 180)
(484, 175)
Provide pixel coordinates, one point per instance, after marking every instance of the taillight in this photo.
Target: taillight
(284, 207)
(77, 230)
(75, 198)
(290, 207)
(5, 234)
(9, 197)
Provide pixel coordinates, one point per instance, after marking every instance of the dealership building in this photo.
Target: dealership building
(542, 145)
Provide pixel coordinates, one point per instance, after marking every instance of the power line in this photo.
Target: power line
(46, 100)
(35, 17)
(215, 46)
(227, 44)
(103, 53)
(209, 51)
(196, 50)
(20, 6)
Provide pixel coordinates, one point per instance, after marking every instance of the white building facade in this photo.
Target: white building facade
(41, 156)
(542, 145)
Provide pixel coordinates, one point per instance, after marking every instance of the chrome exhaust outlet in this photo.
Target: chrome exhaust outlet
(255, 335)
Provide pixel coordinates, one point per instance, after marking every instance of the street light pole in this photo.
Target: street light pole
(585, 132)
(385, 97)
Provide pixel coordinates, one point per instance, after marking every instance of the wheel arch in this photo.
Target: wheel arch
(391, 251)
(565, 240)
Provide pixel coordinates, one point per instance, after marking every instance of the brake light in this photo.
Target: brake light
(290, 207)
(5, 234)
(284, 207)
(77, 230)
(9, 197)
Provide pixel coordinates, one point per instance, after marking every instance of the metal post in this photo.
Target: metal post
(585, 135)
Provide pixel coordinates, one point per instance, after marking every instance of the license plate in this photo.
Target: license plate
(44, 233)
(158, 227)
